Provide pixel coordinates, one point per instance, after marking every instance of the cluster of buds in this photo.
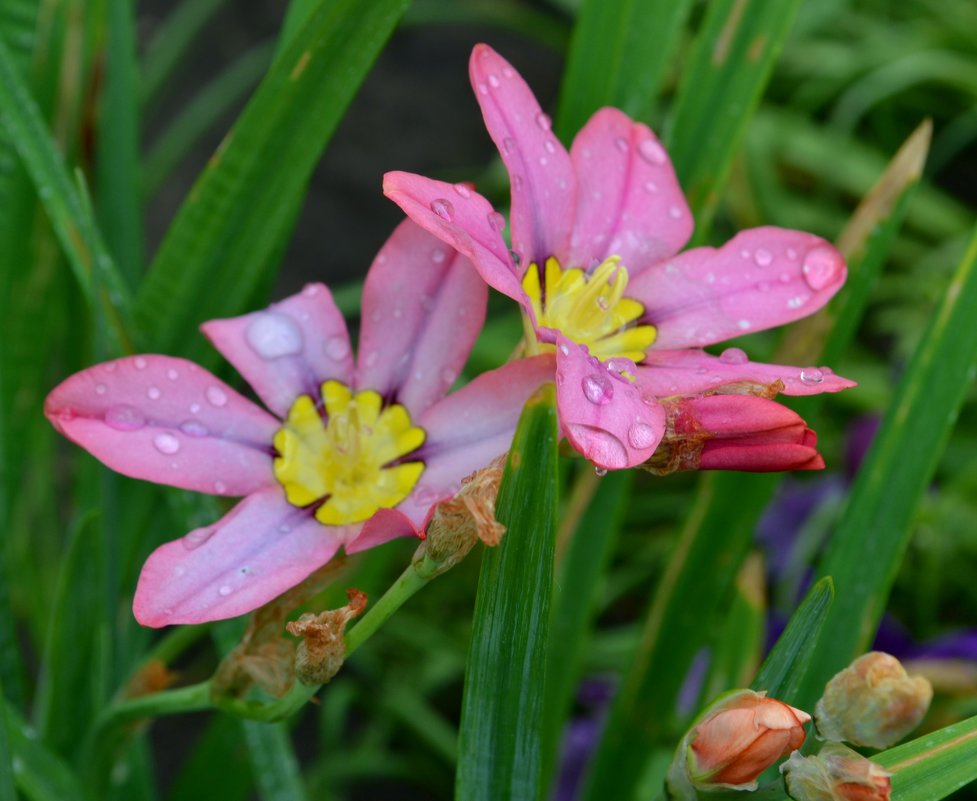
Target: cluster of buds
(873, 703)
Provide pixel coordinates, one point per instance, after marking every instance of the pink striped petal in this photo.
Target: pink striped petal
(629, 202)
(463, 219)
(761, 278)
(543, 182)
(257, 551)
(423, 307)
(166, 420)
(601, 412)
(470, 427)
(688, 372)
(289, 349)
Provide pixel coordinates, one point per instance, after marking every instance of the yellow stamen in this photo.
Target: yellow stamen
(590, 309)
(345, 461)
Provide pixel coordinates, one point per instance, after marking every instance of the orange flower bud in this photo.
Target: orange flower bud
(835, 774)
(872, 702)
(734, 741)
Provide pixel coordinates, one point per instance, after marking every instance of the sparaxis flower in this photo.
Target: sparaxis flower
(349, 454)
(595, 233)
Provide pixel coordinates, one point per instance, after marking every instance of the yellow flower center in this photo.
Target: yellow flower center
(351, 459)
(590, 309)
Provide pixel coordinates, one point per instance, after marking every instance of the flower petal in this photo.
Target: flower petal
(629, 202)
(542, 177)
(601, 412)
(761, 278)
(463, 219)
(687, 372)
(423, 307)
(385, 525)
(257, 551)
(166, 420)
(289, 349)
(470, 427)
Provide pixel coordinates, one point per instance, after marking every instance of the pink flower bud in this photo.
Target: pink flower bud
(835, 774)
(734, 432)
(873, 702)
(735, 740)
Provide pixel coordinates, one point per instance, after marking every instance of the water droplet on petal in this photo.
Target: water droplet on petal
(743, 325)
(822, 266)
(216, 396)
(544, 121)
(179, 571)
(762, 257)
(272, 335)
(641, 435)
(621, 144)
(791, 254)
(371, 359)
(543, 161)
(194, 428)
(197, 538)
(811, 376)
(124, 418)
(493, 80)
(463, 190)
(516, 181)
(508, 144)
(220, 487)
(139, 362)
(652, 152)
(443, 208)
(496, 221)
(448, 376)
(744, 254)
(550, 146)
(651, 187)
(194, 408)
(310, 290)
(225, 590)
(482, 88)
(100, 389)
(438, 256)
(675, 212)
(564, 350)
(166, 443)
(153, 393)
(509, 72)
(733, 356)
(337, 348)
(600, 472)
(597, 388)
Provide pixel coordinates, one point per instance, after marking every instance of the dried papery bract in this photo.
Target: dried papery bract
(873, 702)
(836, 773)
(322, 651)
(733, 742)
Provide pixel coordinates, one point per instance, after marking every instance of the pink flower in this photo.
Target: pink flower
(351, 454)
(595, 233)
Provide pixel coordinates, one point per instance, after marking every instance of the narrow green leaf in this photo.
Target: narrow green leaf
(220, 744)
(871, 538)
(230, 230)
(276, 769)
(933, 766)
(730, 65)
(7, 791)
(697, 580)
(618, 56)
(502, 710)
(39, 773)
(783, 670)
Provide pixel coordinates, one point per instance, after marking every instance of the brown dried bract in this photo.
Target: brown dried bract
(322, 651)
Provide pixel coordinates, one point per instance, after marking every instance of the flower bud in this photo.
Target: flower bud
(835, 774)
(872, 702)
(733, 432)
(735, 740)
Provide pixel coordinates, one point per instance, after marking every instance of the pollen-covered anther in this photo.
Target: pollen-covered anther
(590, 308)
(351, 460)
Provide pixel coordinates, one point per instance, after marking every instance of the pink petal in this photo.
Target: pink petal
(629, 202)
(423, 307)
(166, 420)
(288, 349)
(470, 427)
(687, 372)
(463, 219)
(542, 177)
(601, 412)
(761, 278)
(385, 525)
(257, 551)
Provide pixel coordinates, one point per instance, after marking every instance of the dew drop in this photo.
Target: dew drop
(733, 356)
(225, 590)
(311, 290)
(438, 256)
(194, 408)
(371, 359)
(516, 181)
(602, 303)
(675, 212)
(821, 267)
(508, 144)
(220, 487)
(443, 208)
(272, 335)
(641, 435)
(179, 571)
(564, 350)
(139, 362)
(744, 254)
(795, 303)
(651, 187)
(194, 428)
(493, 80)
(743, 324)
(811, 376)
(762, 257)
(550, 146)
(543, 161)
(100, 389)
(216, 396)
(621, 144)
(600, 472)
(652, 152)
(153, 393)
(543, 121)
(337, 348)
(166, 443)
(172, 374)
(597, 388)
(496, 221)
(124, 418)
(482, 88)
(197, 538)
(791, 254)
(448, 376)
(508, 72)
